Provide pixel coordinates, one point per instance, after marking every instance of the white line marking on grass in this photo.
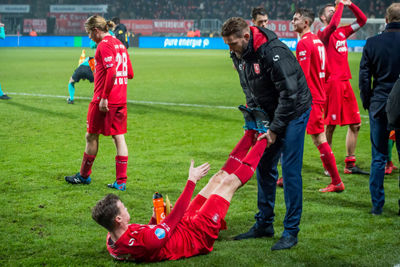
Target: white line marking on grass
(142, 102)
(131, 101)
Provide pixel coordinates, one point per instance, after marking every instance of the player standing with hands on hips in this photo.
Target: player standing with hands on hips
(341, 105)
(107, 114)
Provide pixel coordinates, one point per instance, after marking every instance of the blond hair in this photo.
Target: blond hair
(393, 13)
(98, 22)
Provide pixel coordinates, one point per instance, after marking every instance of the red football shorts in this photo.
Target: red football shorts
(205, 224)
(108, 123)
(341, 106)
(315, 123)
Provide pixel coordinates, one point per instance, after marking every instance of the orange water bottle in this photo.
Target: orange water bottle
(158, 203)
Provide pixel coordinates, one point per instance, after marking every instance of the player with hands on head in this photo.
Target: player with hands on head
(107, 114)
(311, 54)
(192, 226)
(341, 106)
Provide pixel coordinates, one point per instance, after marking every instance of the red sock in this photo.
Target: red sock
(250, 162)
(86, 166)
(239, 152)
(121, 164)
(350, 161)
(329, 162)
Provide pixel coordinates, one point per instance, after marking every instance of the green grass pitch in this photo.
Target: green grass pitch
(46, 222)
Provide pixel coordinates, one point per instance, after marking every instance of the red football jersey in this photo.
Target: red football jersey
(112, 55)
(335, 42)
(337, 52)
(150, 243)
(170, 240)
(310, 53)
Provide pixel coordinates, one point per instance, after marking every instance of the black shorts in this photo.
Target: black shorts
(83, 72)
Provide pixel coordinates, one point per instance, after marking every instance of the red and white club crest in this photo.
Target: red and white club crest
(256, 68)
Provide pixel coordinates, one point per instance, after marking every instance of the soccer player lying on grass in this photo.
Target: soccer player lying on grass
(192, 227)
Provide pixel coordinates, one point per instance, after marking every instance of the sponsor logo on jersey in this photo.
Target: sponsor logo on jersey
(131, 242)
(256, 68)
(341, 46)
(276, 58)
(108, 59)
(302, 53)
(160, 233)
(342, 35)
(240, 66)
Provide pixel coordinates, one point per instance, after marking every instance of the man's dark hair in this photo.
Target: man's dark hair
(234, 25)
(258, 11)
(322, 10)
(105, 211)
(116, 20)
(307, 14)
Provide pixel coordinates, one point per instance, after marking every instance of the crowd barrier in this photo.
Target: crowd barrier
(145, 42)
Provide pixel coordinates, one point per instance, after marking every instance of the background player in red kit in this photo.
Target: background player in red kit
(107, 113)
(190, 229)
(310, 53)
(341, 104)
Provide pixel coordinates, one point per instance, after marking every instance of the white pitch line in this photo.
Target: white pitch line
(131, 101)
(141, 102)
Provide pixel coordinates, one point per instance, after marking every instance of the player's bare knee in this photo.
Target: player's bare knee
(231, 181)
(91, 137)
(218, 177)
(355, 127)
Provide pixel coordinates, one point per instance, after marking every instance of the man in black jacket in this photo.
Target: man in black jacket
(272, 80)
(380, 61)
(121, 33)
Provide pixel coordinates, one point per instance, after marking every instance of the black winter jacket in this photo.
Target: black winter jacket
(272, 79)
(381, 61)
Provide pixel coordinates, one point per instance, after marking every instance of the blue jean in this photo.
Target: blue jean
(379, 135)
(291, 147)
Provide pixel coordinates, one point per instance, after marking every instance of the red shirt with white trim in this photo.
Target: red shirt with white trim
(111, 57)
(335, 41)
(169, 240)
(310, 53)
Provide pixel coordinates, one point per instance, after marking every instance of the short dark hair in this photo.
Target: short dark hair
(306, 13)
(105, 211)
(258, 11)
(322, 10)
(234, 25)
(116, 20)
